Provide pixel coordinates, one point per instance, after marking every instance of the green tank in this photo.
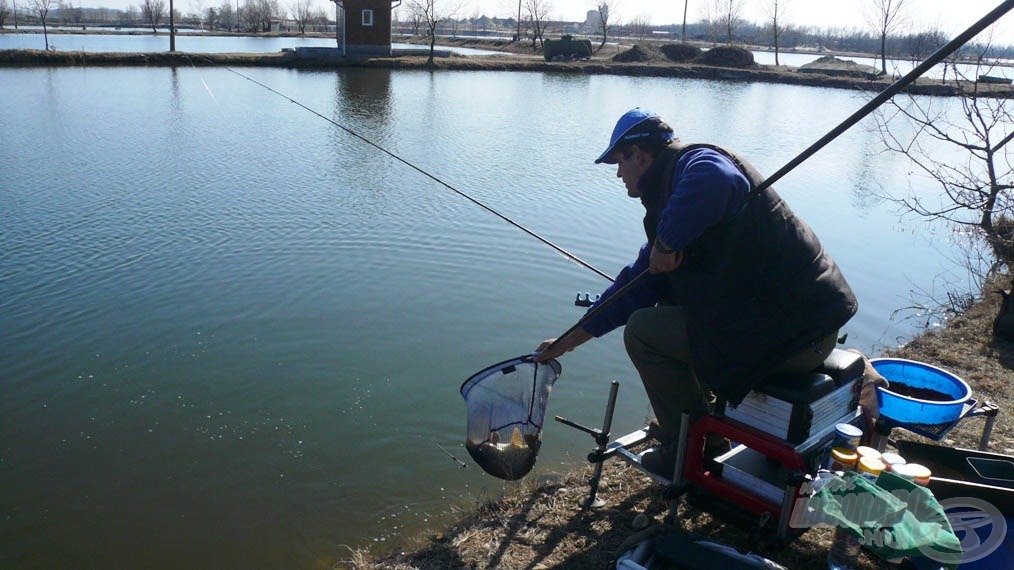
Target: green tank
(566, 48)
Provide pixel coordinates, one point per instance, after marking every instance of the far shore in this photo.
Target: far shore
(515, 56)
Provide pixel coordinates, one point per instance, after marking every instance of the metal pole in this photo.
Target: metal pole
(172, 28)
(602, 439)
(518, 37)
(685, 3)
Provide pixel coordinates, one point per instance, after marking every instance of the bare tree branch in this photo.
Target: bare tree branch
(153, 12)
(42, 8)
(886, 17)
(976, 195)
(775, 11)
(538, 13)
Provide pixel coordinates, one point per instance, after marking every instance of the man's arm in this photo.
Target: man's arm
(707, 188)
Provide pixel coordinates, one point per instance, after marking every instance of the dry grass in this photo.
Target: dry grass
(544, 526)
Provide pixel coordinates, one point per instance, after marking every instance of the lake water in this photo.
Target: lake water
(232, 334)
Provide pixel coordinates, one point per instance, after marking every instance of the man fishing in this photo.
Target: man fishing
(738, 287)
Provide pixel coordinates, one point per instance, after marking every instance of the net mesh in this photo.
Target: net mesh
(506, 405)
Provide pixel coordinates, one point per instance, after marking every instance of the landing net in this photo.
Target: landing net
(506, 405)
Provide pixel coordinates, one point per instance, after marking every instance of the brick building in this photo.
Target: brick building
(367, 27)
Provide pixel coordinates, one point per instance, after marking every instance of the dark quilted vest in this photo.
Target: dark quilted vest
(758, 287)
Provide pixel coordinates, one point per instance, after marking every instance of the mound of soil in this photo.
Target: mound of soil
(831, 65)
(727, 56)
(680, 52)
(639, 53)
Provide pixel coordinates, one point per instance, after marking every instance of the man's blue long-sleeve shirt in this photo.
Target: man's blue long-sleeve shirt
(706, 187)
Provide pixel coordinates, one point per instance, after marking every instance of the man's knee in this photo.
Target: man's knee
(657, 331)
(633, 333)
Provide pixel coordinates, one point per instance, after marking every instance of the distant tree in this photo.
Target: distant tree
(921, 44)
(42, 8)
(251, 15)
(605, 21)
(4, 12)
(302, 12)
(153, 11)
(729, 14)
(270, 10)
(640, 26)
(132, 16)
(713, 19)
(538, 12)
(886, 17)
(258, 14)
(319, 18)
(198, 12)
(775, 11)
(415, 21)
(429, 17)
(227, 15)
(212, 18)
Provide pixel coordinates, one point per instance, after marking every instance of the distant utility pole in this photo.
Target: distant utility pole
(685, 2)
(518, 37)
(172, 28)
(15, 14)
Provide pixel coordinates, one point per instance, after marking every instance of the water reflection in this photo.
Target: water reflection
(566, 80)
(362, 111)
(175, 100)
(364, 94)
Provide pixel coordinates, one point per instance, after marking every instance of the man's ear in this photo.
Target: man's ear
(641, 156)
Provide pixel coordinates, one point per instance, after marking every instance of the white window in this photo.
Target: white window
(367, 18)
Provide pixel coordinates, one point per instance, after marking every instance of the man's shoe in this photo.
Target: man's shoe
(660, 460)
(655, 432)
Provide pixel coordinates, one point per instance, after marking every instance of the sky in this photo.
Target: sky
(951, 16)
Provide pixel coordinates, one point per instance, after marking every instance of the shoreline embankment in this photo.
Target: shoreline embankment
(295, 59)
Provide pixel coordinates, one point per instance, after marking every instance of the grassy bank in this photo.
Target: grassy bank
(540, 525)
(518, 59)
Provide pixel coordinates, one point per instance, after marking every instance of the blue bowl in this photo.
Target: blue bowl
(912, 410)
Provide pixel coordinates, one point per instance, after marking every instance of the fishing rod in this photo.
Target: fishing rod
(569, 255)
(846, 124)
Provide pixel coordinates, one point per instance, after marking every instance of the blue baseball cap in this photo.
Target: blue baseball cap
(636, 124)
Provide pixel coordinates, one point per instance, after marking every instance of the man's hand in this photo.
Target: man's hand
(871, 381)
(664, 259)
(565, 344)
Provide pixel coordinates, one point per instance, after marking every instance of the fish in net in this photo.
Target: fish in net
(506, 405)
